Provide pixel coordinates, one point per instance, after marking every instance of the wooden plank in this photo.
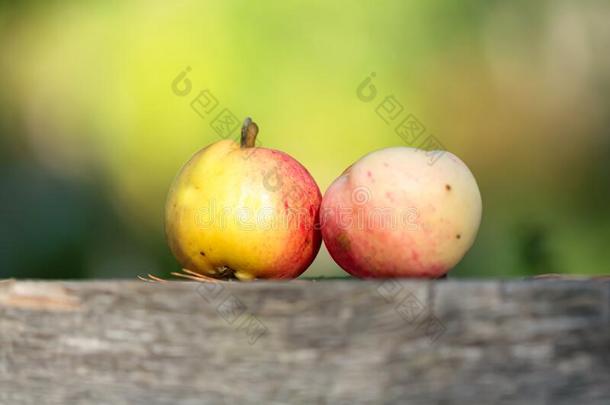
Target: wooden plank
(303, 342)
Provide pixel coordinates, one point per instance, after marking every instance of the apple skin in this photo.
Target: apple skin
(431, 214)
(243, 213)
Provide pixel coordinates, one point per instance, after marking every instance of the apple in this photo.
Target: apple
(238, 211)
(396, 213)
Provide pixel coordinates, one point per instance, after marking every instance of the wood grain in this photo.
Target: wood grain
(304, 342)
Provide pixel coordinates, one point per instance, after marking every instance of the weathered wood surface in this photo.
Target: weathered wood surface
(335, 342)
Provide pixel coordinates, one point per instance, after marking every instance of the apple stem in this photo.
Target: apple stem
(249, 130)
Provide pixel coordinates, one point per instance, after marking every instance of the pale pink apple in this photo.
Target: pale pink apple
(398, 213)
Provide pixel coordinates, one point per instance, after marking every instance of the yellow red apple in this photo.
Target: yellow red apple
(240, 211)
(396, 213)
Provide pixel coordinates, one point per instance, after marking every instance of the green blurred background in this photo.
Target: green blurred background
(91, 132)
